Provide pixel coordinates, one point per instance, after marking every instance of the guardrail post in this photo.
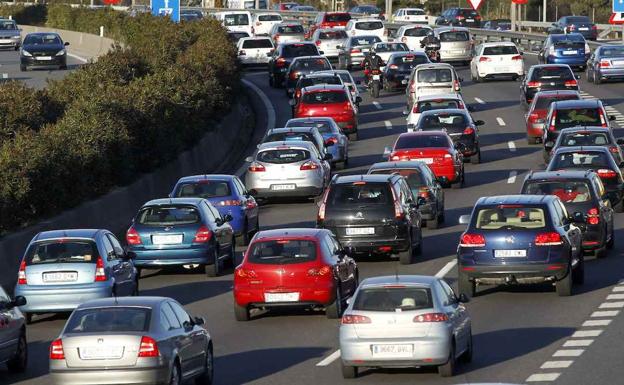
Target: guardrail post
(101, 31)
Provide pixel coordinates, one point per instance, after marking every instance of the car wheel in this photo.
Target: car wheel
(531, 140)
(334, 310)
(271, 83)
(405, 257)
(597, 79)
(433, 223)
(349, 371)
(208, 374)
(448, 369)
(619, 208)
(611, 241)
(476, 159)
(175, 375)
(600, 252)
(416, 251)
(578, 274)
(467, 356)
(241, 313)
(214, 269)
(18, 363)
(465, 285)
(564, 286)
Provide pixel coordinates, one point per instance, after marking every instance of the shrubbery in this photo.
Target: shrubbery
(134, 109)
(22, 14)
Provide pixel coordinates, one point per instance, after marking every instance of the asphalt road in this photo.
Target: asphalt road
(516, 330)
(38, 78)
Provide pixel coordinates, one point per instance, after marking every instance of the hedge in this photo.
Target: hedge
(133, 110)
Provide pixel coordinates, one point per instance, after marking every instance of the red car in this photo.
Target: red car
(436, 149)
(294, 267)
(331, 101)
(329, 20)
(538, 110)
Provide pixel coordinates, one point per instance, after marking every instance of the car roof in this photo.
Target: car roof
(550, 65)
(310, 119)
(562, 174)
(433, 66)
(407, 53)
(403, 165)
(445, 111)
(196, 178)
(515, 199)
(174, 201)
(309, 57)
(367, 20)
(439, 96)
(556, 92)
(498, 43)
(255, 38)
(288, 43)
(279, 130)
(324, 87)
(320, 74)
(373, 178)
(287, 23)
(69, 233)
(581, 103)
(289, 232)
(581, 149)
(447, 29)
(585, 128)
(423, 280)
(43, 34)
(140, 301)
(291, 143)
(424, 133)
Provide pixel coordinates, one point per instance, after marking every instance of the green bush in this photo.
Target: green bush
(22, 14)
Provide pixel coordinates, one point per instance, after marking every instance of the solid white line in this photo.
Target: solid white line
(448, 267)
(586, 333)
(556, 364)
(500, 121)
(82, 59)
(329, 359)
(512, 177)
(568, 353)
(480, 101)
(543, 377)
(605, 313)
(596, 322)
(611, 305)
(388, 124)
(577, 343)
(376, 104)
(618, 288)
(615, 296)
(512, 146)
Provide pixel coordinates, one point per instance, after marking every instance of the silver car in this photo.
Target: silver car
(287, 169)
(327, 41)
(432, 79)
(138, 340)
(336, 141)
(405, 321)
(13, 345)
(352, 51)
(455, 44)
(287, 32)
(10, 34)
(384, 50)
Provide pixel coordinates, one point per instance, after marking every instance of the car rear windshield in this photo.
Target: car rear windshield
(415, 12)
(283, 156)
(435, 75)
(325, 97)
(578, 117)
(168, 216)
(282, 251)
(393, 298)
(7, 25)
(409, 61)
(346, 77)
(203, 189)
(299, 49)
(422, 141)
(413, 176)
(360, 193)
(332, 35)
(552, 73)
(369, 25)
(454, 36)
(510, 217)
(570, 43)
(365, 40)
(543, 102)
(236, 19)
(437, 104)
(257, 43)
(109, 319)
(416, 32)
(468, 13)
(337, 18)
(585, 139)
(269, 18)
(443, 121)
(578, 19)
(289, 136)
(294, 29)
(42, 39)
(307, 82)
(391, 47)
(314, 64)
(612, 51)
(322, 126)
(62, 251)
(500, 50)
(582, 160)
(568, 191)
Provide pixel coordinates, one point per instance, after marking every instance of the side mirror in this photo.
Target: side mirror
(463, 298)
(387, 152)
(578, 217)
(199, 321)
(249, 159)
(328, 157)
(479, 122)
(464, 219)
(358, 99)
(228, 218)
(66, 43)
(612, 118)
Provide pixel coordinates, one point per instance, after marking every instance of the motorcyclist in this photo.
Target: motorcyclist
(372, 61)
(429, 39)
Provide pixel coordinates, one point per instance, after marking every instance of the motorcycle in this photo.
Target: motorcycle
(374, 82)
(432, 50)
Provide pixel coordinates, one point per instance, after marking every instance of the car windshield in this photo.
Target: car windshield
(313, 64)
(611, 51)
(422, 141)
(62, 250)
(435, 75)
(257, 43)
(443, 121)
(437, 104)
(282, 251)
(294, 50)
(269, 18)
(236, 36)
(468, 13)
(203, 189)
(168, 216)
(393, 298)
(500, 50)
(585, 139)
(414, 12)
(7, 25)
(369, 25)
(322, 126)
(236, 19)
(578, 117)
(510, 217)
(391, 47)
(365, 40)
(582, 160)
(283, 155)
(294, 29)
(416, 32)
(332, 35)
(543, 102)
(570, 43)
(360, 193)
(454, 36)
(289, 136)
(414, 177)
(407, 62)
(325, 97)
(42, 39)
(109, 319)
(552, 73)
(567, 191)
(337, 18)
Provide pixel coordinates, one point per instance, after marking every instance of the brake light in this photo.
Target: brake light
(571, 83)
(593, 217)
(316, 272)
(242, 52)
(594, 27)
(309, 165)
(393, 67)
(534, 84)
(456, 85)
(613, 149)
(244, 273)
(424, 192)
(230, 202)
(517, 57)
(484, 59)
(56, 350)
(100, 274)
(533, 117)
(21, 274)
(280, 62)
(256, 167)
(472, 240)
(398, 210)
(416, 109)
(321, 213)
(431, 317)
(605, 64)
(318, 43)
(133, 237)
(606, 173)
(349, 319)
(469, 131)
(552, 127)
(251, 204)
(355, 50)
(548, 239)
(148, 347)
(294, 75)
(332, 139)
(459, 17)
(202, 235)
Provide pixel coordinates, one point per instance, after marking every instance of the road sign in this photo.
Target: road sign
(617, 18)
(477, 3)
(169, 8)
(618, 6)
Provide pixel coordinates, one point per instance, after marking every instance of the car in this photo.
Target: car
(368, 10)
(497, 25)
(236, 21)
(538, 109)
(403, 321)
(398, 68)
(461, 17)
(61, 269)
(436, 149)
(412, 35)
(580, 192)
(315, 78)
(385, 50)
(234, 36)
(294, 267)
(307, 134)
(591, 136)
(351, 53)
(575, 24)
(330, 101)
(549, 77)
(140, 340)
(496, 60)
(181, 232)
(43, 50)
(190, 15)
(327, 39)
(459, 125)
(254, 50)
(606, 63)
(597, 159)
(410, 15)
(304, 65)
(10, 34)
(286, 33)
(303, 8)
(365, 27)
(570, 49)
(434, 102)
(287, 169)
(351, 84)
(520, 239)
(423, 183)
(264, 22)
(373, 214)
(455, 44)
(432, 79)
(337, 20)
(228, 195)
(331, 133)
(283, 55)
(14, 352)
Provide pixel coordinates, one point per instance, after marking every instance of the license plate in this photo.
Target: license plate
(6, 41)
(396, 351)
(360, 230)
(376, 77)
(509, 253)
(569, 52)
(65, 276)
(281, 297)
(470, 20)
(43, 57)
(583, 29)
(170, 239)
(426, 160)
(101, 352)
(501, 69)
(457, 51)
(282, 187)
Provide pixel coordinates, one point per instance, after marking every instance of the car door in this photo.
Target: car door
(604, 204)
(216, 224)
(115, 266)
(457, 312)
(126, 272)
(250, 202)
(9, 330)
(408, 201)
(177, 337)
(347, 264)
(195, 337)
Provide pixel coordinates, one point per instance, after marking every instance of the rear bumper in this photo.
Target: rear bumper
(173, 257)
(535, 132)
(110, 376)
(372, 245)
(593, 238)
(451, 173)
(251, 60)
(522, 273)
(303, 191)
(605, 73)
(41, 299)
(320, 294)
(428, 351)
(571, 61)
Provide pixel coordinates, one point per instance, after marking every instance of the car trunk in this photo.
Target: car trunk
(429, 156)
(56, 274)
(509, 245)
(170, 236)
(568, 49)
(101, 350)
(286, 277)
(392, 325)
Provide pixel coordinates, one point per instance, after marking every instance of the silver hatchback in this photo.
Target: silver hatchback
(455, 44)
(405, 321)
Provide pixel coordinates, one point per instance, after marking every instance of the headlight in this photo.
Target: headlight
(61, 52)
(26, 53)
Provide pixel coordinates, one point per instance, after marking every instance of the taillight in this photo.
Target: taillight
(319, 272)
(593, 216)
(349, 319)
(456, 85)
(416, 109)
(293, 75)
(309, 165)
(469, 131)
(424, 192)
(570, 83)
(318, 43)
(534, 84)
(245, 273)
(431, 317)
(398, 210)
(230, 202)
(202, 235)
(21, 274)
(100, 274)
(332, 139)
(459, 17)
(548, 239)
(355, 50)
(148, 347)
(132, 237)
(517, 57)
(594, 27)
(256, 167)
(484, 59)
(280, 62)
(321, 212)
(605, 64)
(552, 127)
(613, 149)
(533, 117)
(393, 67)
(251, 204)
(472, 240)
(56, 350)
(606, 173)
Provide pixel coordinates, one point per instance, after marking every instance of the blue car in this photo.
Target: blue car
(228, 194)
(522, 239)
(570, 49)
(181, 232)
(336, 142)
(63, 268)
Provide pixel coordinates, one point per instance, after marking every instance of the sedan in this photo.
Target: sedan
(14, 351)
(10, 34)
(551, 77)
(590, 136)
(434, 102)
(353, 49)
(538, 110)
(575, 24)
(43, 50)
(384, 50)
(141, 340)
(331, 133)
(398, 68)
(405, 321)
(606, 63)
(570, 49)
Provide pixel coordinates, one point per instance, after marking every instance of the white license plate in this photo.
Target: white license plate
(569, 52)
(583, 29)
(470, 20)
(101, 352)
(457, 51)
(43, 57)
(6, 41)
(395, 351)
(281, 297)
(501, 69)
(170, 239)
(360, 230)
(376, 77)
(281, 187)
(426, 160)
(65, 276)
(509, 253)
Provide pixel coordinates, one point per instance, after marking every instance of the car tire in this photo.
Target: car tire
(405, 257)
(465, 285)
(564, 286)
(241, 313)
(375, 90)
(207, 376)
(611, 242)
(334, 310)
(232, 252)
(19, 362)
(175, 378)
(214, 269)
(433, 224)
(448, 369)
(349, 371)
(597, 79)
(271, 82)
(600, 252)
(467, 356)
(578, 274)
(531, 140)
(619, 208)
(476, 159)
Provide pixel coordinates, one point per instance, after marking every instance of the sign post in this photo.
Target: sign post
(167, 8)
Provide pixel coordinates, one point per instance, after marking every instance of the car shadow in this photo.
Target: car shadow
(190, 292)
(495, 105)
(479, 178)
(493, 139)
(498, 154)
(37, 364)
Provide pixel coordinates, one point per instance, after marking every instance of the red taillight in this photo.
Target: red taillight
(472, 240)
(202, 235)
(484, 59)
(594, 27)
(56, 350)
(394, 67)
(517, 57)
(571, 83)
(332, 139)
(534, 84)
(416, 109)
(148, 347)
(431, 317)
(593, 216)
(293, 75)
(309, 165)
(132, 237)
(606, 173)
(548, 239)
(316, 272)
(613, 149)
(533, 117)
(456, 85)
(552, 127)
(280, 62)
(321, 212)
(355, 50)
(469, 131)
(244, 273)
(459, 17)
(256, 167)
(318, 43)
(605, 64)
(21, 274)
(100, 274)
(230, 202)
(398, 210)
(349, 319)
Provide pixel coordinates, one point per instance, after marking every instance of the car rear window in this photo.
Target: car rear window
(413, 176)
(325, 97)
(391, 47)
(109, 319)
(62, 251)
(289, 136)
(454, 36)
(282, 251)
(583, 160)
(360, 193)
(332, 35)
(168, 216)
(364, 40)
(269, 18)
(578, 19)
(611, 51)
(313, 64)
(435, 75)
(585, 139)
(416, 32)
(437, 104)
(337, 18)
(500, 50)
(567, 191)
(322, 126)
(543, 102)
(578, 117)
(570, 44)
(290, 29)
(552, 73)
(283, 156)
(307, 82)
(299, 49)
(443, 121)
(510, 217)
(257, 43)
(369, 25)
(408, 62)
(346, 77)
(422, 141)
(393, 298)
(468, 13)
(203, 189)
(236, 19)
(415, 12)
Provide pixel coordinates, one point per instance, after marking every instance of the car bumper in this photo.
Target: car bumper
(451, 173)
(427, 351)
(450, 55)
(571, 61)
(372, 245)
(521, 273)
(355, 60)
(593, 238)
(492, 71)
(42, 298)
(32, 61)
(173, 257)
(320, 294)
(10, 43)
(110, 376)
(616, 73)
(396, 80)
(251, 60)
(299, 191)
(535, 130)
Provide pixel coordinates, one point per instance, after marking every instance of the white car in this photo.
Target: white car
(433, 102)
(263, 22)
(384, 50)
(328, 39)
(254, 50)
(366, 27)
(411, 15)
(496, 59)
(236, 21)
(412, 35)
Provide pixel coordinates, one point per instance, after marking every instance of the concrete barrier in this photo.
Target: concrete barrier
(83, 46)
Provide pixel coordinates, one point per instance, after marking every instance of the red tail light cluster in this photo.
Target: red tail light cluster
(534, 84)
(256, 167)
(56, 350)
(393, 67)
(431, 317)
(355, 50)
(571, 83)
(613, 149)
(593, 216)
(552, 122)
(100, 273)
(469, 131)
(294, 75)
(350, 319)
(230, 202)
(245, 273)
(242, 52)
(309, 165)
(148, 347)
(318, 43)
(472, 240)
(280, 62)
(332, 139)
(21, 274)
(398, 210)
(606, 173)
(517, 57)
(202, 235)
(484, 59)
(456, 85)
(133, 237)
(548, 239)
(319, 272)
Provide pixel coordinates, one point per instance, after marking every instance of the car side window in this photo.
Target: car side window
(599, 187)
(171, 317)
(240, 185)
(406, 192)
(108, 248)
(182, 315)
(336, 247)
(449, 294)
(558, 216)
(327, 250)
(164, 321)
(211, 216)
(116, 245)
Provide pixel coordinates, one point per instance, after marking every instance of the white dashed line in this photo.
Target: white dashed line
(618, 288)
(586, 333)
(569, 353)
(377, 105)
(501, 122)
(480, 101)
(556, 364)
(512, 146)
(388, 124)
(577, 343)
(612, 305)
(512, 177)
(596, 322)
(615, 296)
(329, 359)
(543, 377)
(448, 267)
(605, 313)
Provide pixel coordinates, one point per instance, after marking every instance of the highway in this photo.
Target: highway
(522, 333)
(37, 78)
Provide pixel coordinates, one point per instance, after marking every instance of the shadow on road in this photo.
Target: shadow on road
(37, 364)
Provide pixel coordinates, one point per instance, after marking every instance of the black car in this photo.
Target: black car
(575, 24)
(373, 214)
(580, 192)
(43, 50)
(191, 15)
(545, 77)
(459, 125)
(498, 25)
(235, 36)
(283, 55)
(423, 183)
(521, 239)
(591, 136)
(597, 159)
(399, 67)
(460, 17)
(313, 79)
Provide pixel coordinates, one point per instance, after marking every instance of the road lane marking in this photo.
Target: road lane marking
(480, 101)
(543, 377)
(568, 353)
(448, 267)
(556, 364)
(611, 305)
(615, 296)
(596, 322)
(82, 59)
(501, 122)
(618, 288)
(376, 104)
(577, 343)
(512, 146)
(329, 359)
(586, 333)
(512, 177)
(5, 76)
(388, 124)
(605, 313)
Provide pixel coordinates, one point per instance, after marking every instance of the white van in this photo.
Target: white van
(263, 22)
(366, 27)
(411, 15)
(236, 21)
(254, 50)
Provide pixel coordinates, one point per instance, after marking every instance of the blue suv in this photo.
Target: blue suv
(570, 49)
